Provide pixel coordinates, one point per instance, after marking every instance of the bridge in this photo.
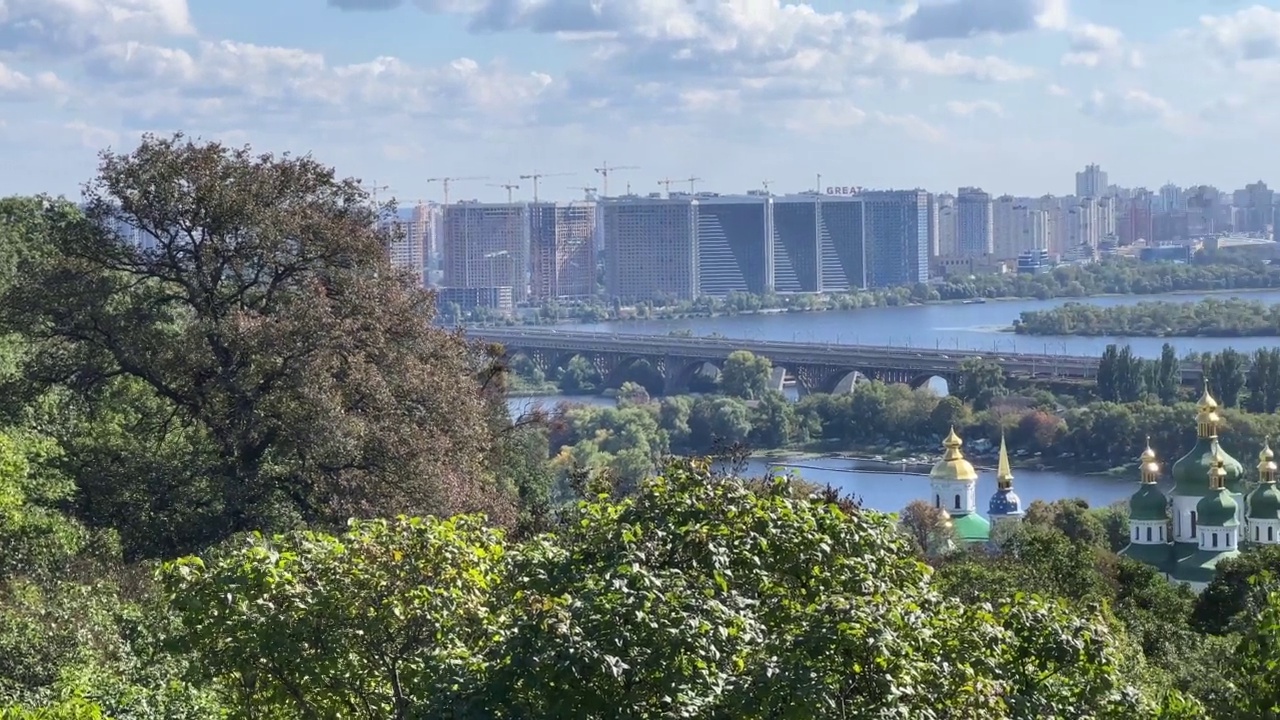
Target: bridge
(815, 367)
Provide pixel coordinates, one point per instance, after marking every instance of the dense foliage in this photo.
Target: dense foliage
(1211, 317)
(241, 476)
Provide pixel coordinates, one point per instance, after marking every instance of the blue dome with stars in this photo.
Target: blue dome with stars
(1005, 502)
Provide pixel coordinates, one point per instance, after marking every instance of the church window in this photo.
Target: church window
(1148, 534)
(1135, 533)
(937, 501)
(1215, 539)
(957, 501)
(1257, 532)
(1161, 533)
(1271, 533)
(1193, 523)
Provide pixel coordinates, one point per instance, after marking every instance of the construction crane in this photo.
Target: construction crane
(604, 171)
(766, 184)
(444, 182)
(666, 183)
(373, 191)
(691, 180)
(586, 189)
(508, 186)
(535, 177)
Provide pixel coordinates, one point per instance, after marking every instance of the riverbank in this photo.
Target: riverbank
(921, 461)
(1234, 317)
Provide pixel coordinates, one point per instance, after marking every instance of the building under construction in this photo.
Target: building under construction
(486, 245)
(562, 250)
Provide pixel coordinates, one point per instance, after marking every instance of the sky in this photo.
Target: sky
(1013, 96)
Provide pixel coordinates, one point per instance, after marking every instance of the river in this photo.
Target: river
(943, 325)
(889, 487)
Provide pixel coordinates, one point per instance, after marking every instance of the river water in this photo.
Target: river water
(942, 326)
(890, 487)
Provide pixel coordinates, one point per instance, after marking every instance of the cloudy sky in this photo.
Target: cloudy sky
(1012, 95)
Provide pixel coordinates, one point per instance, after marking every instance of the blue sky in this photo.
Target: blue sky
(1010, 95)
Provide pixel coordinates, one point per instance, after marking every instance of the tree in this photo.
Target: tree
(1238, 590)
(928, 527)
(980, 380)
(579, 377)
(281, 372)
(1130, 383)
(1225, 372)
(1263, 381)
(1108, 373)
(1168, 375)
(389, 620)
(745, 375)
(1257, 687)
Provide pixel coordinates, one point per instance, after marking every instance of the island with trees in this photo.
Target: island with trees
(244, 475)
(1210, 317)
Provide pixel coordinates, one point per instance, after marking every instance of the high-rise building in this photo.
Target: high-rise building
(651, 246)
(486, 245)
(948, 245)
(1257, 202)
(1031, 230)
(974, 223)
(1134, 219)
(842, 244)
(1092, 182)
(896, 236)
(409, 242)
(734, 244)
(562, 250)
(1004, 225)
(1171, 199)
(797, 248)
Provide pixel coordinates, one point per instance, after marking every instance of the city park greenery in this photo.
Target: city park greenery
(1112, 276)
(243, 475)
(1211, 317)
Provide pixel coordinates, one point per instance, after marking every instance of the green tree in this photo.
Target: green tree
(389, 620)
(1263, 381)
(1109, 373)
(306, 381)
(1130, 376)
(1257, 674)
(745, 375)
(1167, 378)
(1225, 372)
(980, 380)
(1238, 590)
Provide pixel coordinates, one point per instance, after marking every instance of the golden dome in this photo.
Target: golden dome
(1218, 475)
(953, 466)
(1207, 419)
(1148, 465)
(1004, 471)
(1206, 400)
(1266, 460)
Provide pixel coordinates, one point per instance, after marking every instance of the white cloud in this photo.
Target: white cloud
(951, 19)
(92, 137)
(969, 108)
(1245, 36)
(15, 85)
(58, 27)
(1098, 45)
(1126, 106)
(914, 126)
(1057, 90)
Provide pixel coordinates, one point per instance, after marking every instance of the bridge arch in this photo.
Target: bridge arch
(940, 383)
(692, 376)
(646, 371)
(842, 381)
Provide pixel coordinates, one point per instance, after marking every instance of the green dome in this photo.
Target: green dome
(972, 528)
(1216, 510)
(1264, 502)
(1191, 473)
(1148, 504)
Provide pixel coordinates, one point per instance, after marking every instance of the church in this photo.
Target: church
(1184, 535)
(954, 483)
(1206, 516)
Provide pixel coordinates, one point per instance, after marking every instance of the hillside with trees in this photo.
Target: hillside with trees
(244, 475)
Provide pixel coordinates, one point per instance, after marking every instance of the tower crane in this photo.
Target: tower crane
(374, 190)
(766, 184)
(508, 187)
(444, 182)
(536, 176)
(586, 189)
(691, 180)
(604, 170)
(666, 183)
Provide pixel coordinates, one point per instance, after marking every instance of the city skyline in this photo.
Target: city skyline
(1014, 97)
